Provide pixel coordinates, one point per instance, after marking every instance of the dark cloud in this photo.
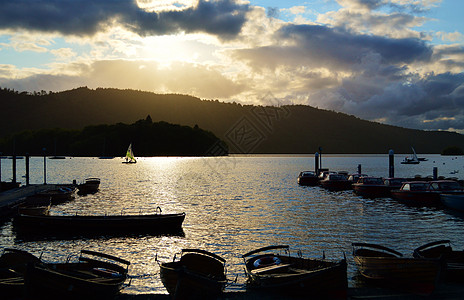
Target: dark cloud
(223, 18)
(433, 102)
(415, 7)
(346, 46)
(335, 48)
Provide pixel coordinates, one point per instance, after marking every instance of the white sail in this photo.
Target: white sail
(414, 155)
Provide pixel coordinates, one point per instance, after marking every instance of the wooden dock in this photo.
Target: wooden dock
(9, 200)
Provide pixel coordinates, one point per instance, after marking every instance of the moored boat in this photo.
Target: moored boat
(335, 182)
(371, 187)
(308, 178)
(89, 186)
(394, 183)
(54, 196)
(387, 266)
(95, 275)
(198, 274)
(282, 273)
(98, 224)
(34, 210)
(453, 201)
(423, 193)
(353, 178)
(13, 264)
(453, 260)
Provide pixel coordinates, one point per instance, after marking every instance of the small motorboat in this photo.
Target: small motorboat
(353, 178)
(89, 186)
(198, 274)
(335, 182)
(387, 266)
(453, 201)
(272, 272)
(394, 183)
(308, 178)
(423, 193)
(453, 264)
(371, 187)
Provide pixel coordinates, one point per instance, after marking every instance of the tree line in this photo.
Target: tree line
(148, 138)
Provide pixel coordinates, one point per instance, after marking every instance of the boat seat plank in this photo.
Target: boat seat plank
(270, 269)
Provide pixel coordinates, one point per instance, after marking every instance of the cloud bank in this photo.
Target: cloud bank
(223, 18)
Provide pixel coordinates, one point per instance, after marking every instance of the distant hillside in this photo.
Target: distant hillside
(245, 128)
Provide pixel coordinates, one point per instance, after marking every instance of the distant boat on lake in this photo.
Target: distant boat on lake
(129, 159)
(414, 159)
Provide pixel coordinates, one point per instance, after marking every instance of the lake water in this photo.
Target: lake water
(236, 204)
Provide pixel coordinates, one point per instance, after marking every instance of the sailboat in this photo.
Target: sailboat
(129, 159)
(412, 161)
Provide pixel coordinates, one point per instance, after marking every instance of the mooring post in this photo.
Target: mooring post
(27, 169)
(14, 168)
(435, 173)
(359, 169)
(1, 154)
(316, 163)
(45, 166)
(391, 163)
(320, 157)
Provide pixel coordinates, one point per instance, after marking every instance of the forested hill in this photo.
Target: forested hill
(245, 128)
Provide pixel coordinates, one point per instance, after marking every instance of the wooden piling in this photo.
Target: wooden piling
(391, 163)
(316, 163)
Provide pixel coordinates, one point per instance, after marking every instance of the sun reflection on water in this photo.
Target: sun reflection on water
(232, 205)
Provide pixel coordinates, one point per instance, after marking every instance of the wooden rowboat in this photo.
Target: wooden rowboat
(90, 224)
(453, 260)
(95, 275)
(198, 274)
(387, 266)
(13, 264)
(90, 186)
(281, 273)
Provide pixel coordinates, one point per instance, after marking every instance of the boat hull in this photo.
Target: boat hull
(53, 197)
(453, 201)
(320, 278)
(417, 198)
(90, 186)
(452, 260)
(182, 283)
(198, 274)
(335, 186)
(308, 181)
(371, 191)
(158, 223)
(44, 282)
(415, 274)
(95, 276)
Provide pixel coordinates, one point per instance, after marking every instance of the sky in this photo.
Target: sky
(397, 62)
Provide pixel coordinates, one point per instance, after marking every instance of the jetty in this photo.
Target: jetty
(10, 199)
